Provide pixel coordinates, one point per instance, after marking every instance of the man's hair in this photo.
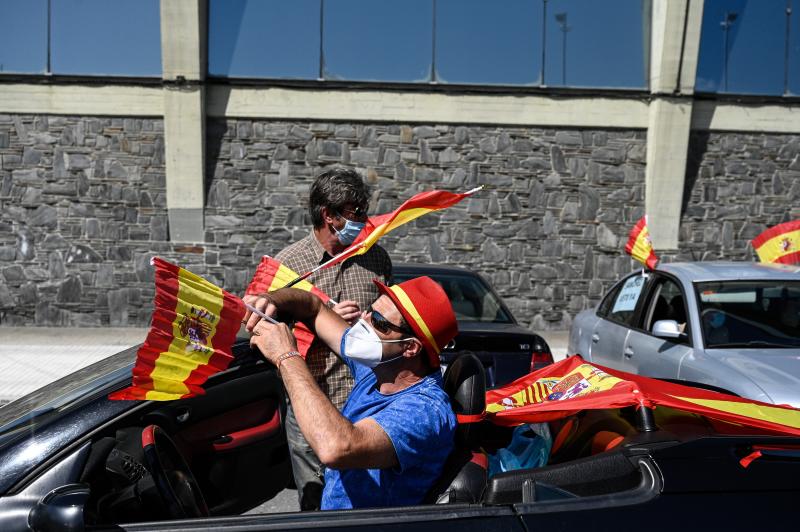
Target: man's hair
(335, 189)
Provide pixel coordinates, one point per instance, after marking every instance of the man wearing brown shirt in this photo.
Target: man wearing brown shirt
(338, 203)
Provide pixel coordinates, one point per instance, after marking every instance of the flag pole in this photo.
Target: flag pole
(257, 312)
(351, 248)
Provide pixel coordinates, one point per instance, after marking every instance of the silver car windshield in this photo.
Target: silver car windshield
(757, 314)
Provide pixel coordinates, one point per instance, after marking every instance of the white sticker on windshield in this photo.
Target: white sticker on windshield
(629, 295)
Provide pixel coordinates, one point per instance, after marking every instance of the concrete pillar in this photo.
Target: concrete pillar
(675, 44)
(183, 46)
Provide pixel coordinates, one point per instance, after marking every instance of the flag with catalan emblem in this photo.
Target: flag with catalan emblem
(191, 336)
(271, 275)
(411, 209)
(780, 243)
(639, 245)
(572, 385)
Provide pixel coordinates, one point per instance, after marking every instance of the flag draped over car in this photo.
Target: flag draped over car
(272, 274)
(639, 245)
(780, 243)
(377, 226)
(571, 385)
(193, 328)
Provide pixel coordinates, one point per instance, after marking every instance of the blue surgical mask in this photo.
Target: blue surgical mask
(349, 232)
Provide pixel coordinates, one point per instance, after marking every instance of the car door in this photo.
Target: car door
(617, 312)
(646, 354)
(233, 436)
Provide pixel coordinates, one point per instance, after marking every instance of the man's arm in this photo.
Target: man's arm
(337, 442)
(301, 306)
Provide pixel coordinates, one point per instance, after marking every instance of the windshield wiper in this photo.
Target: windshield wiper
(753, 343)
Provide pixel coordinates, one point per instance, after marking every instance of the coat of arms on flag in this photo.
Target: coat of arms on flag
(780, 243)
(192, 332)
(639, 245)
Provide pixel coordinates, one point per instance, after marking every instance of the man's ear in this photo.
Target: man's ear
(328, 215)
(413, 347)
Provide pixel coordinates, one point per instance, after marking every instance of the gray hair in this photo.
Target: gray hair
(335, 189)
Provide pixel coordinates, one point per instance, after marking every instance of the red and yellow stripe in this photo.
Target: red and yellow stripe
(192, 332)
(414, 207)
(416, 322)
(780, 243)
(639, 245)
(272, 274)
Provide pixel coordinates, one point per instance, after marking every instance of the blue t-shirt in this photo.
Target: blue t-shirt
(420, 423)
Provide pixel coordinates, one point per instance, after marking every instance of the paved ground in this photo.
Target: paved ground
(31, 357)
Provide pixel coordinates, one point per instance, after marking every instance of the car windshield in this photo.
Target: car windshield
(471, 299)
(754, 314)
(63, 392)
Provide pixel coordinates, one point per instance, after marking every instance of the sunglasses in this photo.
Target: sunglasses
(383, 326)
(354, 214)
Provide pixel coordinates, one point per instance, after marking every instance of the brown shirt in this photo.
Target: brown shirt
(348, 280)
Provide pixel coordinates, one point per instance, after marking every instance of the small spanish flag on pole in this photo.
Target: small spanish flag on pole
(377, 226)
(193, 329)
(272, 274)
(639, 245)
(780, 243)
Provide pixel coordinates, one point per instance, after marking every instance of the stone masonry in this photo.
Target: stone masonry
(82, 206)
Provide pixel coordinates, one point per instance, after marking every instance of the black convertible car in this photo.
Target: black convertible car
(71, 459)
(486, 327)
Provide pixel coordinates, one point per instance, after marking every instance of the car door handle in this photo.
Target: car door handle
(595, 338)
(628, 352)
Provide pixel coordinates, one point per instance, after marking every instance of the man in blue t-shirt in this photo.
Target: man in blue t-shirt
(388, 445)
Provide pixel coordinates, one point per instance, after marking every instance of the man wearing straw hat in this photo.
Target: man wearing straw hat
(388, 445)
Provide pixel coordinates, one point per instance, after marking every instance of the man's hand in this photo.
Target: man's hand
(273, 340)
(348, 310)
(262, 303)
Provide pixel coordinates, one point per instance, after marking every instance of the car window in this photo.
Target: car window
(667, 303)
(471, 299)
(624, 304)
(605, 306)
(756, 314)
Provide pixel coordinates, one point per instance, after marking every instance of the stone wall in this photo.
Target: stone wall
(83, 208)
(547, 230)
(737, 185)
(82, 204)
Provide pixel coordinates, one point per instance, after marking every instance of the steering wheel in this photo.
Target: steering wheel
(173, 478)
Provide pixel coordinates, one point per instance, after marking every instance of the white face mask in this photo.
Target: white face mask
(362, 344)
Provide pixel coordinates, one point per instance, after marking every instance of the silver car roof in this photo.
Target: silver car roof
(691, 272)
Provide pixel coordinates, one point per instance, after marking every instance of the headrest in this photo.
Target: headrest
(465, 384)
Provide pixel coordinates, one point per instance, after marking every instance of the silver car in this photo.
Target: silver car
(727, 326)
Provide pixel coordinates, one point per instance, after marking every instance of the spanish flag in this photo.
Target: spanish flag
(192, 332)
(779, 244)
(639, 245)
(414, 207)
(271, 275)
(572, 385)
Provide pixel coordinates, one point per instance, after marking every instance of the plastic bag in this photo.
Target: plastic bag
(530, 447)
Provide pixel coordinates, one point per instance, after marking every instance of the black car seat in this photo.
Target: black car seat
(463, 478)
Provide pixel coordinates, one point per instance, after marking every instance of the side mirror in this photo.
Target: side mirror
(61, 509)
(668, 329)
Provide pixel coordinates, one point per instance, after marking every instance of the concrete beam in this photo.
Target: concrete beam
(109, 100)
(184, 146)
(675, 45)
(422, 107)
(667, 148)
(756, 118)
(183, 39)
(183, 45)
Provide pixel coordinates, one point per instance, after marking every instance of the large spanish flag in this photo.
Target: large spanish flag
(571, 385)
(414, 207)
(271, 275)
(780, 243)
(192, 332)
(639, 245)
